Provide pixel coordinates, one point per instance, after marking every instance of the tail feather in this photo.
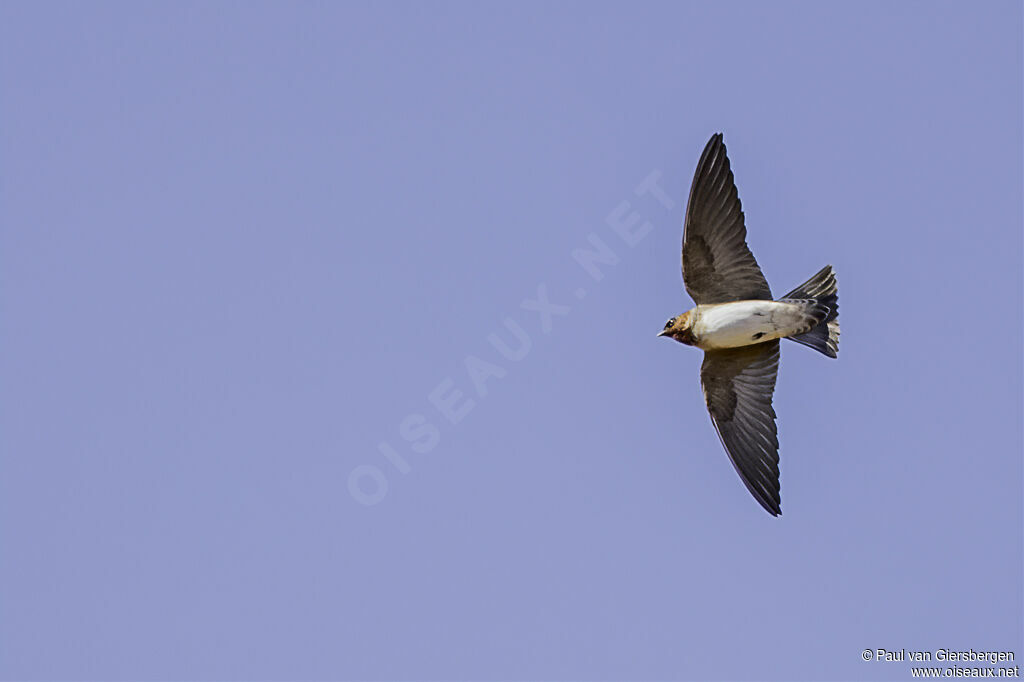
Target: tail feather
(822, 292)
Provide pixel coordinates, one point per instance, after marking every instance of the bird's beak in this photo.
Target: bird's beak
(663, 332)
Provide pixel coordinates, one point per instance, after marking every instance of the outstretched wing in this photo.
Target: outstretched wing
(738, 386)
(717, 264)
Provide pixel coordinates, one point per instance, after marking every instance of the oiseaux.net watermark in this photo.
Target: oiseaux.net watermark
(452, 401)
(949, 663)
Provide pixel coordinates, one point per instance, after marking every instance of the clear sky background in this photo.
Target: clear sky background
(244, 243)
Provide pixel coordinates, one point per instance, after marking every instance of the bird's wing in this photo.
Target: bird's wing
(717, 264)
(738, 386)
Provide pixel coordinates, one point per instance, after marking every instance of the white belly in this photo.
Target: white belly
(743, 323)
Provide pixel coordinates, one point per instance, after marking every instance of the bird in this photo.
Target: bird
(738, 324)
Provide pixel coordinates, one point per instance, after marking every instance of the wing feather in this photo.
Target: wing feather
(718, 267)
(738, 387)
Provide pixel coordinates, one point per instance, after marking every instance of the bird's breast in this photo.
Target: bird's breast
(743, 323)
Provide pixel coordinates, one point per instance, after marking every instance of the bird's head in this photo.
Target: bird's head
(680, 328)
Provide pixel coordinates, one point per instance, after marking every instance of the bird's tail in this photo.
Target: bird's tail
(822, 292)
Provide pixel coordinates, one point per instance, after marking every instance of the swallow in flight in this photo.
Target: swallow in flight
(738, 324)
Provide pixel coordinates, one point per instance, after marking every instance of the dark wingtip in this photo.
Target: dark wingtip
(771, 503)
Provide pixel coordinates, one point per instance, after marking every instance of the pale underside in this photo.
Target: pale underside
(745, 323)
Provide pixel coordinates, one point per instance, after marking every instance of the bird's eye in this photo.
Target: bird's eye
(669, 323)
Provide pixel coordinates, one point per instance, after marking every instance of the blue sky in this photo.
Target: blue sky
(244, 244)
